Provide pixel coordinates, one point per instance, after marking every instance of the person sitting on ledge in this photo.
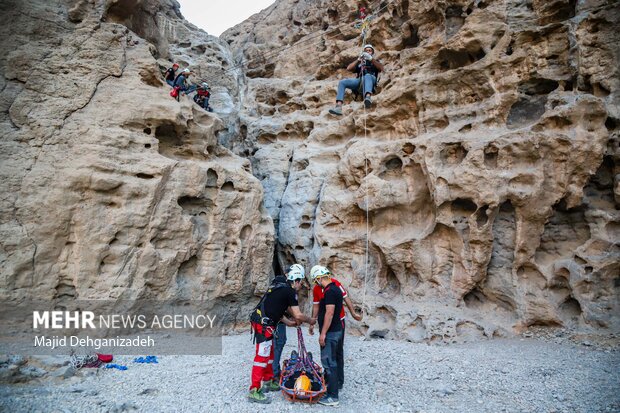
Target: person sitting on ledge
(171, 74)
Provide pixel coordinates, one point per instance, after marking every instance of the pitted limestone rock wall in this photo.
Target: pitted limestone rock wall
(489, 165)
(112, 189)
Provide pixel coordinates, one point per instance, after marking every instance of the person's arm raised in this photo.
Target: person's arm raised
(351, 67)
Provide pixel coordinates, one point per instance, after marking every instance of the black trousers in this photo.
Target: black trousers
(340, 358)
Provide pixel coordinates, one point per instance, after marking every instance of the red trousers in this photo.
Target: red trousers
(262, 369)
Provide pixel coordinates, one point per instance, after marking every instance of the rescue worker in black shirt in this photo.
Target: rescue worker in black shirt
(280, 298)
(331, 330)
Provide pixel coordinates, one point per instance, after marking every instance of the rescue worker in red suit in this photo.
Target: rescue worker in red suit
(280, 299)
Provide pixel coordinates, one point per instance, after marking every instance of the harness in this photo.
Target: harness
(262, 327)
(363, 72)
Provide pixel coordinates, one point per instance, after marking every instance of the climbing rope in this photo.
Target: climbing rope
(365, 27)
(367, 217)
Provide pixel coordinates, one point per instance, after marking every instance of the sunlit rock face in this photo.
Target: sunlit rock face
(111, 189)
(487, 170)
(483, 184)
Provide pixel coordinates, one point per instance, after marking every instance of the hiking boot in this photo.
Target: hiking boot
(271, 385)
(329, 401)
(367, 102)
(257, 396)
(336, 110)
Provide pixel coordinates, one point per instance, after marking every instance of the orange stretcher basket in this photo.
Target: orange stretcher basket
(293, 367)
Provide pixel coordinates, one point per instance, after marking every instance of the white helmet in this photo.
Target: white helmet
(369, 45)
(295, 272)
(205, 86)
(318, 271)
(186, 70)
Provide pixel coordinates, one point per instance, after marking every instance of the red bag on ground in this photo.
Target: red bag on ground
(175, 91)
(105, 358)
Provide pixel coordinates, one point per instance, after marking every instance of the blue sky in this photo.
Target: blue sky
(215, 16)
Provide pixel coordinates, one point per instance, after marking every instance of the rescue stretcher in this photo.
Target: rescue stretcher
(294, 367)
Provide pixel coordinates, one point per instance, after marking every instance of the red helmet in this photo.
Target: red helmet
(175, 65)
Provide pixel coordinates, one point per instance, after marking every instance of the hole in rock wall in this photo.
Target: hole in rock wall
(530, 107)
(556, 11)
(150, 76)
(170, 141)
(538, 86)
(474, 299)
(228, 186)
(611, 124)
(570, 308)
(144, 176)
(392, 284)
(186, 274)
(147, 145)
(394, 163)
(599, 192)
(410, 37)
(525, 111)
(147, 131)
(463, 207)
(454, 20)
(453, 153)
(481, 216)
(195, 205)
(246, 232)
(408, 148)
(490, 156)
(454, 59)
(211, 178)
(131, 14)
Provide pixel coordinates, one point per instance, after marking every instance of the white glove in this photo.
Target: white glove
(366, 56)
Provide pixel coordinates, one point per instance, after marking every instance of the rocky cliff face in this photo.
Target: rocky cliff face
(112, 189)
(488, 168)
(486, 176)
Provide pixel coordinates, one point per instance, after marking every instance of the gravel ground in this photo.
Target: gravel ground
(501, 375)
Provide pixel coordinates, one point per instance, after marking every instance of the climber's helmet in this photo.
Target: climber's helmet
(317, 272)
(295, 273)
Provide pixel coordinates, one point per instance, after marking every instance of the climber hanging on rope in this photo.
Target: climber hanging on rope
(367, 68)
